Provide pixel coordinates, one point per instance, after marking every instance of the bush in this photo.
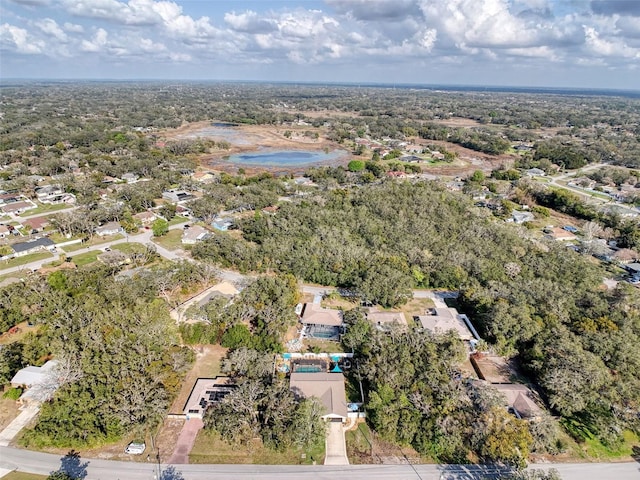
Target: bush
(13, 393)
(356, 166)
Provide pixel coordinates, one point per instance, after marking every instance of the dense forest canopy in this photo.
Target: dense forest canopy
(119, 354)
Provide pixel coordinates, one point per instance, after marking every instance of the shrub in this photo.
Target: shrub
(13, 393)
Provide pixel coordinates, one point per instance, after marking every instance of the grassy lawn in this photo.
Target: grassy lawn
(16, 262)
(415, 307)
(94, 241)
(16, 275)
(57, 237)
(359, 448)
(334, 300)
(86, 258)
(321, 346)
(210, 448)
(23, 476)
(129, 248)
(177, 220)
(46, 208)
(170, 241)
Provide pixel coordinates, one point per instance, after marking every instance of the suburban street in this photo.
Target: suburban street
(42, 463)
(587, 194)
(143, 238)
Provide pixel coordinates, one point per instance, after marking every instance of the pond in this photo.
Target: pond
(285, 158)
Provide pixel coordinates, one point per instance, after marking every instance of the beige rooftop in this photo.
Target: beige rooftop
(328, 387)
(520, 398)
(445, 319)
(314, 314)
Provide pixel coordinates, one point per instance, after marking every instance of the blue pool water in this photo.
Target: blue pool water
(284, 158)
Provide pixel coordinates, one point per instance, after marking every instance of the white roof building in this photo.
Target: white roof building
(444, 320)
(40, 381)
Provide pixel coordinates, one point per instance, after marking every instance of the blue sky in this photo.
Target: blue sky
(569, 43)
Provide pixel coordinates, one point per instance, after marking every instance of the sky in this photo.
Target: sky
(539, 43)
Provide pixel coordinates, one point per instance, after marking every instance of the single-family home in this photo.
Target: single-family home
(632, 268)
(145, 218)
(443, 320)
(320, 322)
(41, 382)
(37, 223)
(522, 217)
(4, 231)
(111, 228)
(17, 208)
(327, 387)
(535, 172)
(519, 399)
(205, 392)
(315, 314)
(32, 246)
(222, 224)
(195, 234)
(560, 234)
(176, 196)
(130, 177)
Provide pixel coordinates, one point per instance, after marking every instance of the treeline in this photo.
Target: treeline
(478, 140)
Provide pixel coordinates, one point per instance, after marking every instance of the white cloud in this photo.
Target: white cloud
(615, 47)
(135, 12)
(73, 27)
(32, 3)
(17, 39)
(51, 28)
(249, 22)
(97, 44)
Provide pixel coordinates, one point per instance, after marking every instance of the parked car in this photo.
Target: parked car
(135, 448)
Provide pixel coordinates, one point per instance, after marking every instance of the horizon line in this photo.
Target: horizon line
(404, 85)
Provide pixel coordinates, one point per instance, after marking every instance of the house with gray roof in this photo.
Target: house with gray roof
(32, 246)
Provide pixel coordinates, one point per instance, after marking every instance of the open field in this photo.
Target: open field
(210, 448)
(86, 258)
(364, 447)
(96, 240)
(171, 241)
(24, 329)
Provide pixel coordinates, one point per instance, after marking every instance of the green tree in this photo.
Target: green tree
(356, 166)
(160, 227)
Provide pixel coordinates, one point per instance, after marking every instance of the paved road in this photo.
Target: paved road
(555, 181)
(43, 464)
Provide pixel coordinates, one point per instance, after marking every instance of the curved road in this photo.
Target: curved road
(44, 463)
